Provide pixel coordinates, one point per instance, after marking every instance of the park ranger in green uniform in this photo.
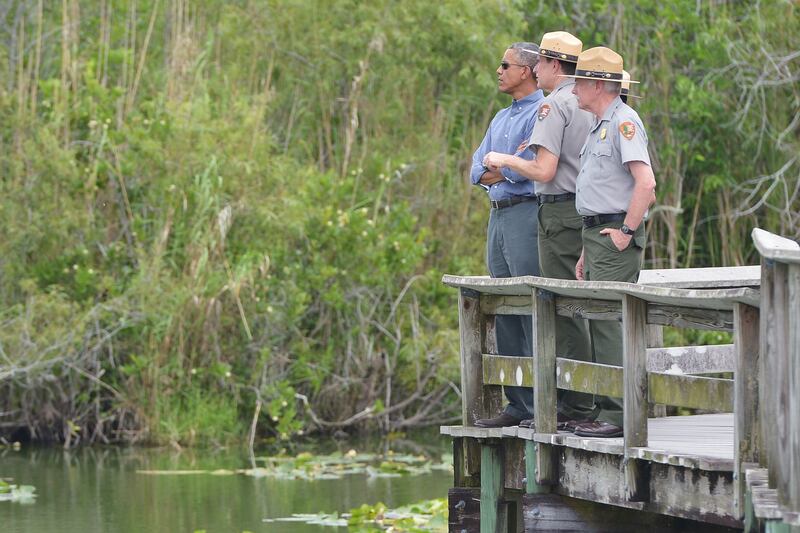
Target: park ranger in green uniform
(614, 190)
(561, 129)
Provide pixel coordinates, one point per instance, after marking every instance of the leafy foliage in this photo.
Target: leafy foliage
(229, 204)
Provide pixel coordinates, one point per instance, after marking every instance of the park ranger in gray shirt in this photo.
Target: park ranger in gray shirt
(614, 190)
(560, 132)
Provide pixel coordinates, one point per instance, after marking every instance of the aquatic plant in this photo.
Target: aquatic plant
(25, 494)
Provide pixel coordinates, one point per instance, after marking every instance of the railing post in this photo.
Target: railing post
(766, 347)
(778, 382)
(794, 387)
(746, 397)
(469, 326)
(493, 508)
(655, 339)
(476, 331)
(634, 366)
(544, 392)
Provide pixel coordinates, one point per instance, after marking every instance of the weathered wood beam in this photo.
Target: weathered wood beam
(634, 363)
(590, 309)
(469, 327)
(501, 304)
(544, 344)
(532, 470)
(775, 247)
(508, 370)
(593, 378)
(718, 298)
(766, 346)
(746, 422)
(657, 314)
(688, 317)
(778, 380)
(516, 370)
(691, 391)
(692, 359)
(665, 388)
(464, 509)
(466, 462)
(675, 490)
(794, 387)
(544, 391)
(493, 512)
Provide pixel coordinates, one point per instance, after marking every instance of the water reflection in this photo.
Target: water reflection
(98, 489)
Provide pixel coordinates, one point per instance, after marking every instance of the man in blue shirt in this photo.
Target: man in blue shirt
(511, 248)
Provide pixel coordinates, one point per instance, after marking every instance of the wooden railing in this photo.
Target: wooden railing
(776, 487)
(655, 375)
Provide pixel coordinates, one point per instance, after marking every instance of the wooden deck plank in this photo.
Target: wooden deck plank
(699, 441)
(704, 442)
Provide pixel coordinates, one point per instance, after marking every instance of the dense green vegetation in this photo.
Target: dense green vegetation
(224, 212)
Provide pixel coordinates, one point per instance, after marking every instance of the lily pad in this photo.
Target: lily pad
(426, 516)
(25, 494)
(306, 466)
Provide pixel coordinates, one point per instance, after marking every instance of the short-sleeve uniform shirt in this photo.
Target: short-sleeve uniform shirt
(605, 184)
(561, 128)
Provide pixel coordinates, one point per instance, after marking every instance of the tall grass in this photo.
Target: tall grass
(214, 206)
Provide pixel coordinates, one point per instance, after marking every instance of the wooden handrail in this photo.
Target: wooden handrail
(775, 247)
(723, 307)
(779, 366)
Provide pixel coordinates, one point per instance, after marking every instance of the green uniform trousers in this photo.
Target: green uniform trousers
(603, 262)
(560, 247)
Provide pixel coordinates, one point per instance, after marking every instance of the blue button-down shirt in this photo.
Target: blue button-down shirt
(509, 128)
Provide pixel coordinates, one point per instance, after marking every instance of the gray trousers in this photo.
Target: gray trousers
(512, 250)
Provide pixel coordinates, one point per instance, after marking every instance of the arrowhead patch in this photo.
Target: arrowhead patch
(544, 111)
(627, 129)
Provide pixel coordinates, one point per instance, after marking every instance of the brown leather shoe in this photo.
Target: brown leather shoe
(598, 429)
(571, 425)
(500, 421)
(560, 421)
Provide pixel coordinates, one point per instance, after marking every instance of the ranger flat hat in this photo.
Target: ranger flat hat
(626, 85)
(561, 45)
(600, 64)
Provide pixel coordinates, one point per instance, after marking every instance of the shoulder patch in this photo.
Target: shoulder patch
(544, 111)
(627, 129)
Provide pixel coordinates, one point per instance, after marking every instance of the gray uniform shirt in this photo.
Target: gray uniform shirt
(561, 128)
(605, 185)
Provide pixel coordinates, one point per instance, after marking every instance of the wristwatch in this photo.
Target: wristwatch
(626, 230)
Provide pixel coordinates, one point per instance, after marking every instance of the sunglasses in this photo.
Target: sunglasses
(505, 64)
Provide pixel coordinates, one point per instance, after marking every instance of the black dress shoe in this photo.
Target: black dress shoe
(527, 423)
(598, 429)
(500, 421)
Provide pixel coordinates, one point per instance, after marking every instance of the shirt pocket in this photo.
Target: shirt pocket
(601, 150)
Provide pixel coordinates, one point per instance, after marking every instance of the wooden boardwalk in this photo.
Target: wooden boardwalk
(720, 468)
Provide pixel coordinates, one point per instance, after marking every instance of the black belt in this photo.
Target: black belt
(500, 204)
(597, 220)
(553, 198)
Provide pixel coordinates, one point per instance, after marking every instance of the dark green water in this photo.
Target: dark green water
(98, 490)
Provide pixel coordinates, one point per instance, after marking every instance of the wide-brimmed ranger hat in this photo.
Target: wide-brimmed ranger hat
(626, 85)
(561, 45)
(599, 64)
